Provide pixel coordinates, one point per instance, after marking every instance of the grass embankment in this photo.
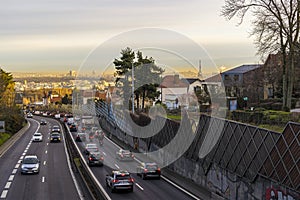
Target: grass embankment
(4, 137)
(174, 117)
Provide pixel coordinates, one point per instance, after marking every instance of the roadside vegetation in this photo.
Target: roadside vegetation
(10, 114)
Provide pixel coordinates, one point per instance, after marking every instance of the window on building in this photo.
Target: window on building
(236, 77)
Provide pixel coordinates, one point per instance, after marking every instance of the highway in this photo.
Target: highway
(54, 180)
(143, 189)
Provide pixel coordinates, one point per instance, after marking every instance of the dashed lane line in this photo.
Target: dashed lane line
(11, 177)
(14, 171)
(139, 186)
(4, 194)
(7, 186)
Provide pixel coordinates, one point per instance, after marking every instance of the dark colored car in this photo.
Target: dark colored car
(43, 122)
(119, 180)
(148, 170)
(73, 128)
(124, 155)
(95, 158)
(55, 137)
(55, 128)
(80, 137)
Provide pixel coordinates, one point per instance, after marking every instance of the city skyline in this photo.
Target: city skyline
(57, 36)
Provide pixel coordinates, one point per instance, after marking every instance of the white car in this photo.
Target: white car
(37, 137)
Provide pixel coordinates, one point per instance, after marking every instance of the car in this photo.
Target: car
(124, 155)
(119, 180)
(148, 170)
(30, 165)
(95, 158)
(29, 115)
(89, 148)
(80, 137)
(73, 127)
(43, 122)
(37, 137)
(55, 128)
(70, 120)
(55, 137)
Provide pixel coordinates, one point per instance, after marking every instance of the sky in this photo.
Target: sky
(59, 35)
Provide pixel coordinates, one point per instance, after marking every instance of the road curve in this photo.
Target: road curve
(54, 180)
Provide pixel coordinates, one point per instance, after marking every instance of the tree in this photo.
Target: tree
(65, 99)
(7, 90)
(146, 76)
(123, 66)
(276, 27)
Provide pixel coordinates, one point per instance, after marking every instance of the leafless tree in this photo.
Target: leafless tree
(276, 29)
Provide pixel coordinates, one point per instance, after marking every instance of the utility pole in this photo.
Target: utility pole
(132, 79)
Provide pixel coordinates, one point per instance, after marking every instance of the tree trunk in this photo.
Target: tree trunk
(143, 99)
(137, 96)
(291, 77)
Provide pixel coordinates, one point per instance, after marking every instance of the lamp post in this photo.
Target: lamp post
(132, 79)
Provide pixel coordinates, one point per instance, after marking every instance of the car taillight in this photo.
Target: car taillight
(145, 170)
(90, 158)
(132, 155)
(115, 181)
(131, 180)
(158, 169)
(102, 158)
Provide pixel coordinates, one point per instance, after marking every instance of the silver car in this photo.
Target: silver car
(119, 180)
(30, 165)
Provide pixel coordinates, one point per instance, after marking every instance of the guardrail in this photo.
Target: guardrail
(93, 185)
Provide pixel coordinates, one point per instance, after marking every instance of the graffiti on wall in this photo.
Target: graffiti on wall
(278, 194)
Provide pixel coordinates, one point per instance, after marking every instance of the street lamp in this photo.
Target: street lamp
(132, 79)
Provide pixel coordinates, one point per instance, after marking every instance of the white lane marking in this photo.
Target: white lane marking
(11, 177)
(7, 186)
(45, 162)
(139, 186)
(25, 151)
(117, 166)
(23, 154)
(17, 166)
(4, 194)
(43, 179)
(21, 158)
(180, 188)
(14, 171)
(19, 161)
(47, 143)
(46, 152)
(104, 153)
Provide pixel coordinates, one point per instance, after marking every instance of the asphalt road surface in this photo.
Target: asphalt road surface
(54, 180)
